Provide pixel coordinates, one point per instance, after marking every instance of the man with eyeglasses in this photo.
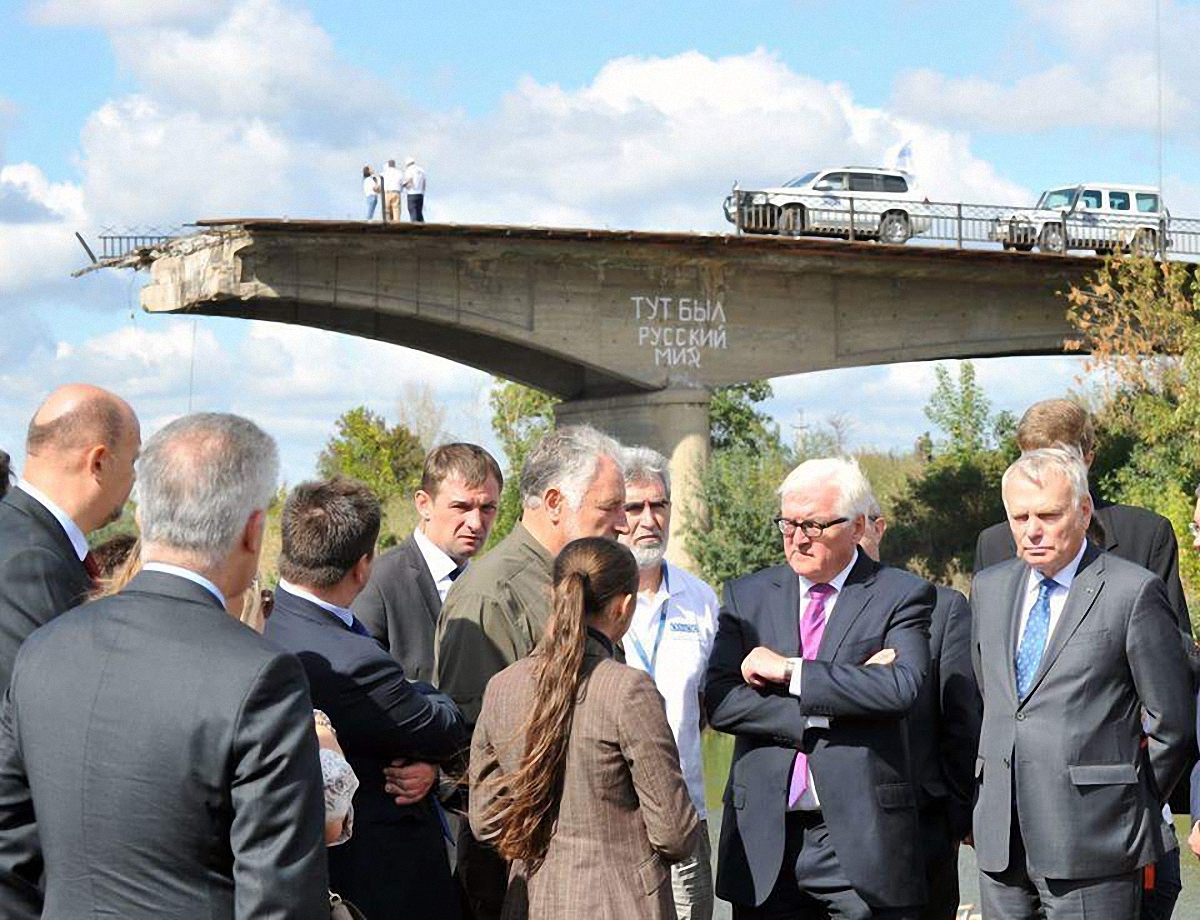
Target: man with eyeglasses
(670, 638)
(814, 667)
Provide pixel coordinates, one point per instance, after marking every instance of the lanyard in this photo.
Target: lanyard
(652, 659)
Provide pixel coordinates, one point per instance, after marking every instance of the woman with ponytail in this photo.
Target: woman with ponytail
(574, 772)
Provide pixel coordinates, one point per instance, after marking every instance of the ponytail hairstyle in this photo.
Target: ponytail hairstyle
(589, 574)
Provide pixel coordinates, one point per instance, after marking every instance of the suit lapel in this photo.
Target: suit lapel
(425, 583)
(1014, 590)
(851, 602)
(1085, 589)
(786, 628)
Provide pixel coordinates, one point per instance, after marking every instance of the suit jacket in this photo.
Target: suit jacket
(40, 575)
(1069, 758)
(168, 754)
(624, 812)
(944, 722)
(860, 764)
(1136, 534)
(400, 606)
(395, 862)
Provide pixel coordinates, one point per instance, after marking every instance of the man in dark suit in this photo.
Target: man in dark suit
(1088, 709)
(5, 472)
(815, 666)
(456, 505)
(395, 863)
(157, 758)
(943, 734)
(80, 450)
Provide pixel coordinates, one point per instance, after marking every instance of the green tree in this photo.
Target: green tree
(960, 409)
(1138, 319)
(364, 447)
(729, 533)
(521, 416)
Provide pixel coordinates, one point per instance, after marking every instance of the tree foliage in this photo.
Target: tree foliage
(388, 458)
(1138, 319)
(521, 415)
(731, 534)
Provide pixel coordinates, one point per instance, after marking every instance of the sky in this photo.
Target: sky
(608, 114)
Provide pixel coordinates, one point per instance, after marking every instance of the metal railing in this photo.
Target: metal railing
(117, 243)
(897, 221)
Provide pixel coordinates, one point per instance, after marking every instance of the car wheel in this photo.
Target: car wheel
(1145, 243)
(1051, 238)
(894, 229)
(792, 219)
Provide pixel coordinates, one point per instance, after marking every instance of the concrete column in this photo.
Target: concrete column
(672, 422)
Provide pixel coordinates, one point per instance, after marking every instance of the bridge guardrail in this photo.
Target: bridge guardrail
(963, 225)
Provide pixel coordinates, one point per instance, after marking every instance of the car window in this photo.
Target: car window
(865, 182)
(1118, 201)
(800, 180)
(1058, 198)
(1147, 204)
(1091, 198)
(894, 184)
(834, 182)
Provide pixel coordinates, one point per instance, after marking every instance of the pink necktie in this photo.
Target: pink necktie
(812, 627)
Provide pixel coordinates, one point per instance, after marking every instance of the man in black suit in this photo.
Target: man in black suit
(456, 504)
(80, 450)
(815, 666)
(157, 758)
(943, 734)
(395, 864)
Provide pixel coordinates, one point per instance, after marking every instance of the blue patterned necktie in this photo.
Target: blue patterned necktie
(1033, 641)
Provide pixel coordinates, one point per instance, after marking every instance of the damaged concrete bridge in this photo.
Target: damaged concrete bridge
(631, 329)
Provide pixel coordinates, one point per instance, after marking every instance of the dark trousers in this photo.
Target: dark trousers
(811, 884)
(1158, 903)
(1019, 894)
(482, 875)
(416, 208)
(941, 864)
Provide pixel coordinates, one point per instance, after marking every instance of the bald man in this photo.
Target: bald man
(79, 454)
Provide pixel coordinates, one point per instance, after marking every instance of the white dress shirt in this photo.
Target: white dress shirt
(1058, 595)
(393, 179)
(441, 566)
(191, 576)
(74, 534)
(345, 614)
(414, 179)
(686, 610)
(809, 801)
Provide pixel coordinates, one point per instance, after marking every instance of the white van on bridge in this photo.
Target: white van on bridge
(1097, 216)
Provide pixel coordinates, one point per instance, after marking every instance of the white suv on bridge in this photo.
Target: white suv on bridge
(1095, 216)
(885, 205)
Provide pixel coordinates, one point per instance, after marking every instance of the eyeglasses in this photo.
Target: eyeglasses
(810, 529)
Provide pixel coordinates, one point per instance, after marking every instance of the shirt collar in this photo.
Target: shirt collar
(437, 560)
(191, 576)
(836, 582)
(74, 534)
(342, 613)
(1065, 576)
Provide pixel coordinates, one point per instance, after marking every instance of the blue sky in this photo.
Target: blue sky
(609, 114)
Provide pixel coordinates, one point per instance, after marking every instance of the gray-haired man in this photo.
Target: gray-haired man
(670, 638)
(157, 758)
(1071, 646)
(571, 486)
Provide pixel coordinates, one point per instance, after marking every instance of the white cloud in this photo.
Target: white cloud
(33, 249)
(122, 13)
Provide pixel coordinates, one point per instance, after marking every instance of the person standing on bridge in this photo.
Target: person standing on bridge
(414, 186)
(393, 184)
(370, 190)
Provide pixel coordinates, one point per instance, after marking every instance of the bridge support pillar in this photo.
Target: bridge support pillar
(672, 422)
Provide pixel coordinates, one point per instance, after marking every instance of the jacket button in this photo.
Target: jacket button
(1020, 717)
